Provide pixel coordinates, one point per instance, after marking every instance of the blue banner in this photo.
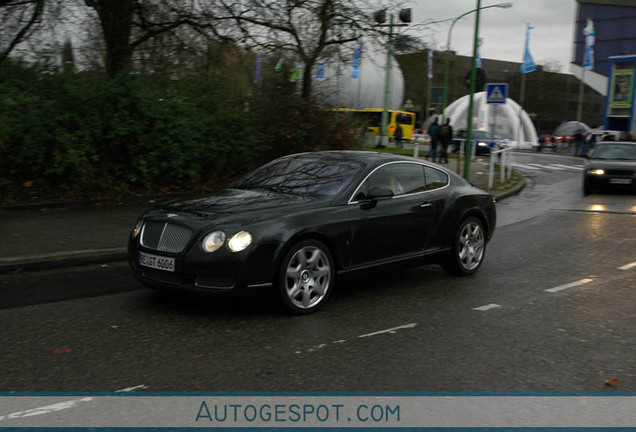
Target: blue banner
(321, 70)
(478, 60)
(528, 64)
(357, 55)
(590, 35)
(257, 69)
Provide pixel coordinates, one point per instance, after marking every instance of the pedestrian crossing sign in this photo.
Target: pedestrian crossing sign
(496, 93)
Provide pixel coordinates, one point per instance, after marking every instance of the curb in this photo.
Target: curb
(62, 259)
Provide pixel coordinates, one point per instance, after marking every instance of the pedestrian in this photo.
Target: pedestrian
(397, 135)
(554, 144)
(433, 131)
(578, 144)
(590, 141)
(444, 135)
(541, 143)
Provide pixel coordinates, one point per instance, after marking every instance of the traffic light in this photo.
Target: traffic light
(380, 16)
(405, 15)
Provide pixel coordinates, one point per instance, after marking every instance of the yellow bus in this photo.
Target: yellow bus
(371, 118)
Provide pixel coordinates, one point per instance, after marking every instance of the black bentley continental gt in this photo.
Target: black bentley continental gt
(296, 223)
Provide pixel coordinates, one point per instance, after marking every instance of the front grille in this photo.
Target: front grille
(620, 172)
(165, 237)
(216, 282)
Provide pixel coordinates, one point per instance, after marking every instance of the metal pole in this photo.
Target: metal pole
(521, 101)
(428, 85)
(359, 81)
(473, 76)
(448, 49)
(387, 87)
(579, 110)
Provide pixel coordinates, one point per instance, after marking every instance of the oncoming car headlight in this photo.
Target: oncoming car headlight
(482, 144)
(137, 229)
(596, 172)
(213, 241)
(239, 241)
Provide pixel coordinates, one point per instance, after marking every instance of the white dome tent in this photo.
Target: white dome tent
(506, 121)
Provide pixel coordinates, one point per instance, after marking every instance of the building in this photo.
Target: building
(614, 66)
(551, 97)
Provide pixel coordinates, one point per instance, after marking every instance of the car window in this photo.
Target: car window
(401, 178)
(435, 178)
(614, 151)
(297, 175)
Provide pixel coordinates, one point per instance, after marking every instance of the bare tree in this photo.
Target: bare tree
(19, 18)
(127, 24)
(309, 30)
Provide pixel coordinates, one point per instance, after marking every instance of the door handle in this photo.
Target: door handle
(426, 205)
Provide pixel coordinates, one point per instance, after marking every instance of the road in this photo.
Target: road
(550, 310)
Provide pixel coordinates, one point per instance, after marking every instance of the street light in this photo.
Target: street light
(472, 88)
(448, 44)
(380, 17)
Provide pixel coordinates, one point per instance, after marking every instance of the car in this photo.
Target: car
(610, 165)
(483, 140)
(298, 222)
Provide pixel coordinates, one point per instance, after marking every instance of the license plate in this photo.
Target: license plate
(620, 181)
(156, 262)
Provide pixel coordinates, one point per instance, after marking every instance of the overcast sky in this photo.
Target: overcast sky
(502, 30)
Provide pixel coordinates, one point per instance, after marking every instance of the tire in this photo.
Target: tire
(469, 248)
(306, 277)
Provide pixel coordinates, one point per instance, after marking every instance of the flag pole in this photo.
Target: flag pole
(579, 110)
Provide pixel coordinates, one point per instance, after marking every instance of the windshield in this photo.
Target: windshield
(301, 175)
(614, 151)
(482, 135)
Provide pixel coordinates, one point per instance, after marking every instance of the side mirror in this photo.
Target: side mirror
(380, 192)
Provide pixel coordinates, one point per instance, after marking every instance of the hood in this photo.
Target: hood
(237, 202)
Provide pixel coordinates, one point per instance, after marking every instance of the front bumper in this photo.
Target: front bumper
(195, 270)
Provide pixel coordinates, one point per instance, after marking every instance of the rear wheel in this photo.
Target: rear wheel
(306, 277)
(469, 248)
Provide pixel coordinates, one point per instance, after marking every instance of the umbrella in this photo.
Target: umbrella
(570, 128)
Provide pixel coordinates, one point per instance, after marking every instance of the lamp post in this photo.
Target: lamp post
(467, 148)
(448, 44)
(380, 18)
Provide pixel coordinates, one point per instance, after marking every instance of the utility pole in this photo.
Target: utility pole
(380, 18)
(473, 78)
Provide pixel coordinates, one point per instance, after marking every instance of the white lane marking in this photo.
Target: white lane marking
(129, 389)
(45, 409)
(525, 166)
(487, 307)
(391, 330)
(59, 406)
(570, 167)
(570, 285)
(628, 266)
(341, 341)
(551, 167)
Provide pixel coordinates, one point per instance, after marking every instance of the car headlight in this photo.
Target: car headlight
(137, 229)
(596, 172)
(482, 144)
(239, 241)
(213, 241)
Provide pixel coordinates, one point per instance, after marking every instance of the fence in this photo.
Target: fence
(505, 157)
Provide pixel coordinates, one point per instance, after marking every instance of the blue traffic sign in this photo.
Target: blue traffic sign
(496, 93)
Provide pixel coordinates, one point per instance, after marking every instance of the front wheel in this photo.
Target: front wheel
(469, 248)
(306, 277)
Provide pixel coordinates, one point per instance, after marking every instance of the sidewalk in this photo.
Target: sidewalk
(37, 237)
